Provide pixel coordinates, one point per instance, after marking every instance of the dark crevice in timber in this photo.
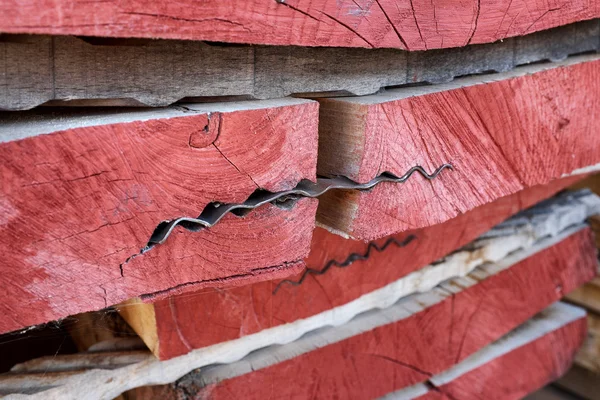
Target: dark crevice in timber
(176, 289)
(348, 261)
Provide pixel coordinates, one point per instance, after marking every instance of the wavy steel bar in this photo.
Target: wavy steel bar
(348, 261)
(214, 212)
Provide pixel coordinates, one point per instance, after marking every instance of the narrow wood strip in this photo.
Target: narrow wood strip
(385, 23)
(519, 129)
(65, 70)
(82, 193)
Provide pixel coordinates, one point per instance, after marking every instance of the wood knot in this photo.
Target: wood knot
(206, 136)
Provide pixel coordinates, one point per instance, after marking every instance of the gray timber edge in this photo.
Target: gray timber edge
(37, 69)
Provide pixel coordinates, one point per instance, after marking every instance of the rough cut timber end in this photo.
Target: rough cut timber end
(173, 326)
(420, 307)
(501, 134)
(531, 356)
(446, 325)
(83, 193)
(385, 23)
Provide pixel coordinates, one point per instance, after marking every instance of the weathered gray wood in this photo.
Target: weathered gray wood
(156, 73)
(38, 69)
(439, 66)
(281, 71)
(26, 74)
(550, 45)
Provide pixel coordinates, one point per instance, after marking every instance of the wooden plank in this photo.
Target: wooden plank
(432, 332)
(581, 382)
(174, 326)
(518, 129)
(588, 295)
(106, 384)
(386, 23)
(82, 193)
(589, 355)
(66, 70)
(510, 368)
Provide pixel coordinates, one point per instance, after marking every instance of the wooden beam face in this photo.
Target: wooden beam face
(432, 337)
(210, 316)
(385, 24)
(512, 374)
(81, 196)
(501, 136)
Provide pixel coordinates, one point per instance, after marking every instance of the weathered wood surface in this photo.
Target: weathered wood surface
(588, 356)
(38, 69)
(582, 382)
(176, 325)
(384, 23)
(547, 282)
(418, 337)
(534, 354)
(81, 194)
(588, 295)
(521, 128)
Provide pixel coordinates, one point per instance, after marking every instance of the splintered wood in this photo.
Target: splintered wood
(299, 198)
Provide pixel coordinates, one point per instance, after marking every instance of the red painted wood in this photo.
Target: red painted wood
(509, 376)
(403, 24)
(409, 351)
(77, 203)
(206, 317)
(519, 372)
(500, 137)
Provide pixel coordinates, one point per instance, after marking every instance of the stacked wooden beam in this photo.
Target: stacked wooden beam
(296, 198)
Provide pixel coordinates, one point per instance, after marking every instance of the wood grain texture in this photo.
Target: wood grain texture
(519, 372)
(588, 295)
(82, 194)
(66, 70)
(415, 348)
(513, 131)
(175, 325)
(581, 382)
(385, 23)
(588, 356)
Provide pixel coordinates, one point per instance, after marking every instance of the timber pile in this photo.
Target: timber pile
(298, 198)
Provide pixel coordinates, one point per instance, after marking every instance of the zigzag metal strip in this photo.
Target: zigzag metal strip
(352, 257)
(214, 212)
